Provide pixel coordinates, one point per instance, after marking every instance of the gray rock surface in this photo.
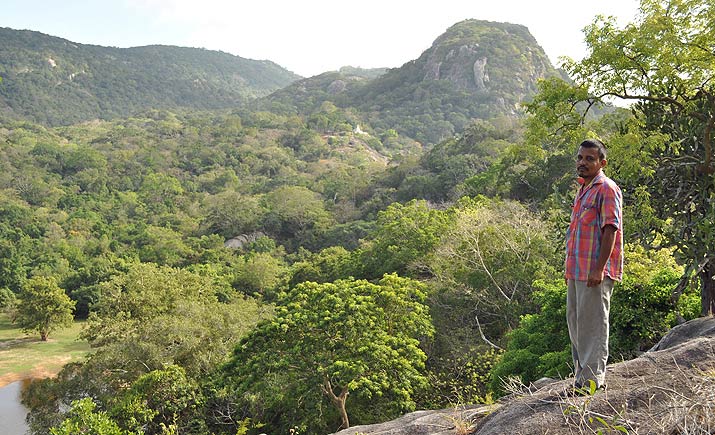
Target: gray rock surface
(240, 240)
(464, 66)
(667, 390)
(702, 327)
(435, 422)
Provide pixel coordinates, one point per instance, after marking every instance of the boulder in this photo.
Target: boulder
(667, 390)
(435, 422)
(702, 327)
(240, 240)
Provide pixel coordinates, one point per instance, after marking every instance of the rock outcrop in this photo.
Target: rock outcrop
(461, 66)
(435, 422)
(667, 390)
(239, 241)
(475, 70)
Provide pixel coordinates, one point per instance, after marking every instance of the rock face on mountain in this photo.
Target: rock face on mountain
(476, 69)
(482, 56)
(55, 81)
(668, 390)
(496, 64)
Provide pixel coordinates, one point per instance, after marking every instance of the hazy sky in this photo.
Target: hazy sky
(306, 36)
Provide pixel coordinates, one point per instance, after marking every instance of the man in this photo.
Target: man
(594, 260)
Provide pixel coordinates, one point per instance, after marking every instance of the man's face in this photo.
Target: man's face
(588, 162)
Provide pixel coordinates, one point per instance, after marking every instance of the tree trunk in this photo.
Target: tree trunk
(708, 289)
(338, 401)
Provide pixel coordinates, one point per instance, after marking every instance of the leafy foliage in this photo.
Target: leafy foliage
(84, 418)
(159, 401)
(488, 260)
(404, 235)
(643, 307)
(58, 82)
(331, 349)
(157, 333)
(460, 376)
(540, 345)
(664, 61)
(43, 307)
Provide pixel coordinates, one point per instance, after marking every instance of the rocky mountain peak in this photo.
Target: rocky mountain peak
(475, 70)
(472, 54)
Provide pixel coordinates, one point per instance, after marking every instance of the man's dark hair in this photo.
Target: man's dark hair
(595, 143)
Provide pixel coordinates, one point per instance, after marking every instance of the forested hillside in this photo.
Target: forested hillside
(53, 81)
(476, 69)
(307, 263)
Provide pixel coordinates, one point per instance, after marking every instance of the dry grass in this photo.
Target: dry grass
(26, 356)
(659, 394)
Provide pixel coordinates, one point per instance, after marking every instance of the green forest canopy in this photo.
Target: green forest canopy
(131, 219)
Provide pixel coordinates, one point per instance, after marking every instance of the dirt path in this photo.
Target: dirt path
(46, 369)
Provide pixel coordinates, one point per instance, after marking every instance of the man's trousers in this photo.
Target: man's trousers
(587, 311)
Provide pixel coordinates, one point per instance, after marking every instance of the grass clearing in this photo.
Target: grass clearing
(26, 356)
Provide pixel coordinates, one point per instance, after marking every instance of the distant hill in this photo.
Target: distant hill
(368, 73)
(55, 81)
(476, 69)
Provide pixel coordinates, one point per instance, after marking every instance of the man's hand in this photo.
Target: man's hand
(608, 240)
(594, 278)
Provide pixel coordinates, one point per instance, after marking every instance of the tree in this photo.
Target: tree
(160, 400)
(666, 63)
(330, 342)
(84, 418)
(405, 234)
(160, 192)
(44, 307)
(231, 214)
(171, 314)
(295, 211)
(487, 261)
(7, 299)
(156, 331)
(258, 273)
(330, 264)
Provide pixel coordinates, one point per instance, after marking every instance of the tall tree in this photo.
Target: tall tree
(665, 63)
(486, 263)
(332, 341)
(403, 236)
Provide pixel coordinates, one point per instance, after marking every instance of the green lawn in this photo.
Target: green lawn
(25, 355)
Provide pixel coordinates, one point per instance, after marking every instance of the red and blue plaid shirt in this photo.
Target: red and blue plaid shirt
(595, 206)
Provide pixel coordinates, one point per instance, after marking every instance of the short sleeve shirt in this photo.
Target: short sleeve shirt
(595, 206)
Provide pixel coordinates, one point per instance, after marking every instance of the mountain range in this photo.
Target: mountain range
(54, 81)
(476, 69)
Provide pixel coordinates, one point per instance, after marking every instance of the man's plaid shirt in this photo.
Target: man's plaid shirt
(595, 206)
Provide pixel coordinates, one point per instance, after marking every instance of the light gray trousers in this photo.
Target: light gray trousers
(587, 311)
